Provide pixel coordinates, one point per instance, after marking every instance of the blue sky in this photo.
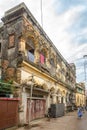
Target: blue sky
(64, 21)
(65, 5)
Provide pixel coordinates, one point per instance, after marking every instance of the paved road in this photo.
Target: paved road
(67, 122)
(82, 124)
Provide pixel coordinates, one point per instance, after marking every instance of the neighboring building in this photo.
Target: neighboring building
(31, 60)
(86, 96)
(80, 94)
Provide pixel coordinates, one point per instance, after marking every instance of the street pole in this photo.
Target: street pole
(29, 108)
(41, 13)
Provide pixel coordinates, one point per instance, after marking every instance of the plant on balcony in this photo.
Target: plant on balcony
(6, 88)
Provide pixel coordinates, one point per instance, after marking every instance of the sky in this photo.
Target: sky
(65, 22)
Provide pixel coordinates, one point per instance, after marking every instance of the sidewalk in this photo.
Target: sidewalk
(35, 123)
(53, 122)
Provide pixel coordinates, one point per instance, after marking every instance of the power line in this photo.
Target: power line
(41, 12)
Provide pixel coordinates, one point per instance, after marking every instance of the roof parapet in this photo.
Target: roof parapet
(12, 10)
(1, 24)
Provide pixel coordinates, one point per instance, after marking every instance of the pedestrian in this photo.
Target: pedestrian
(80, 113)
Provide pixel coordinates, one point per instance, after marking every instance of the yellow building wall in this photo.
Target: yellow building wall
(41, 77)
(80, 99)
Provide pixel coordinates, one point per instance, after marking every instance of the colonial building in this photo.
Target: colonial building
(31, 60)
(80, 94)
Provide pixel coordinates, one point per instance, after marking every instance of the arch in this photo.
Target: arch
(53, 55)
(30, 41)
(53, 59)
(31, 46)
(45, 86)
(64, 93)
(43, 56)
(30, 32)
(52, 90)
(59, 92)
(44, 50)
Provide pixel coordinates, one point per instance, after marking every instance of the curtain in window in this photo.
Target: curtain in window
(30, 56)
(42, 59)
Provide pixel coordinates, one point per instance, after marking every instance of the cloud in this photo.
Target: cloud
(78, 52)
(56, 28)
(80, 70)
(64, 5)
(80, 22)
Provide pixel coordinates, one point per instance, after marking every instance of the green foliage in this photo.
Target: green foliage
(6, 87)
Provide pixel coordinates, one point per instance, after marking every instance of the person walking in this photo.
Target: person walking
(80, 113)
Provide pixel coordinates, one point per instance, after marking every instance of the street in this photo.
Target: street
(67, 122)
(82, 125)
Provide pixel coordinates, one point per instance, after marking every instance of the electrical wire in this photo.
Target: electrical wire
(41, 13)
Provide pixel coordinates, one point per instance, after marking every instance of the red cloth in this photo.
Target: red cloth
(42, 59)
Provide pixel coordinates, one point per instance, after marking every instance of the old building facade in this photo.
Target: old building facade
(80, 94)
(31, 60)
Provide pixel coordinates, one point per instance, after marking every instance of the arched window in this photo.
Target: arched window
(30, 50)
(42, 57)
(52, 62)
